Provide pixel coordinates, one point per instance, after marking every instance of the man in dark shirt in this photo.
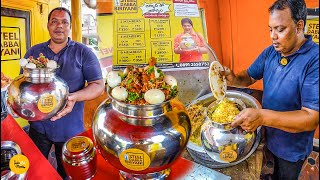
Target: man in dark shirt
(77, 65)
(290, 72)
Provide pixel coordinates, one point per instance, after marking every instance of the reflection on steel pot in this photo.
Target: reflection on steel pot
(224, 143)
(4, 110)
(37, 94)
(142, 141)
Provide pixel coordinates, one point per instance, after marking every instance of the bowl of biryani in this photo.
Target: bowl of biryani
(222, 113)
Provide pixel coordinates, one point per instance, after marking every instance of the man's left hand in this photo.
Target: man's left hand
(249, 119)
(71, 100)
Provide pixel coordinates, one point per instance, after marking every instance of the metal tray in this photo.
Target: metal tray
(198, 153)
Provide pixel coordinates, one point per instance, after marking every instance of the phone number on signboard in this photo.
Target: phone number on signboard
(193, 64)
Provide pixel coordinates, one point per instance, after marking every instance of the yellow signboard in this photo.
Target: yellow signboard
(13, 47)
(105, 35)
(105, 41)
(312, 28)
(158, 28)
(10, 43)
(13, 44)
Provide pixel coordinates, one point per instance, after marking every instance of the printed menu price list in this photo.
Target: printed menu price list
(136, 56)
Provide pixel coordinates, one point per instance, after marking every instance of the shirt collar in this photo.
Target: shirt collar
(305, 47)
(69, 43)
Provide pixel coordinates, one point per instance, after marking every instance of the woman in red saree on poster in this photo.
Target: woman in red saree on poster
(189, 44)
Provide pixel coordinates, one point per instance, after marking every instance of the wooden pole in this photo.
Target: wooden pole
(76, 20)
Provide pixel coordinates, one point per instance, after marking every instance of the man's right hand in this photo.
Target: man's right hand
(228, 73)
(242, 79)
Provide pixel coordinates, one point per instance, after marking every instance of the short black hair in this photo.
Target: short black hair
(297, 8)
(60, 9)
(186, 20)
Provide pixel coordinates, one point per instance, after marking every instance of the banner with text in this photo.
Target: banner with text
(169, 30)
(312, 28)
(13, 44)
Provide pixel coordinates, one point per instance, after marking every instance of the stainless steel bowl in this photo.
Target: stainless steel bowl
(200, 155)
(37, 94)
(224, 143)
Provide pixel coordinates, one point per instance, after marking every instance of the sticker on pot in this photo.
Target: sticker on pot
(47, 103)
(134, 159)
(78, 144)
(228, 154)
(19, 164)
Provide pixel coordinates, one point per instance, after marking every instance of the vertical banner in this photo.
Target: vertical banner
(105, 34)
(312, 28)
(169, 30)
(105, 39)
(13, 44)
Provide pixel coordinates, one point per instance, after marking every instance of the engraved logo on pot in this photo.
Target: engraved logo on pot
(47, 103)
(134, 159)
(19, 164)
(228, 153)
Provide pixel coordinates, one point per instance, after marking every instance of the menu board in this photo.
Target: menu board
(169, 30)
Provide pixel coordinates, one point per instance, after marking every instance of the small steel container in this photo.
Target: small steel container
(8, 150)
(37, 94)
(224, 143)
(79, 158)
(199, 154)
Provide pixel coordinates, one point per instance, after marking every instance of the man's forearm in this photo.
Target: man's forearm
(91, 91)
(242, 79)
(291, 121)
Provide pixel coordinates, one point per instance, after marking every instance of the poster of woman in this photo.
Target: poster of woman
(189, 44)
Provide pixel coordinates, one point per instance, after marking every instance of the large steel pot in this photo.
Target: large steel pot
(37, 94)
(141, 141)
(224, 143)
